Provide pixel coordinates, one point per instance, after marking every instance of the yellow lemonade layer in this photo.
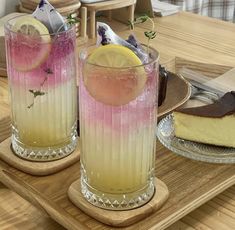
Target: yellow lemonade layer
(118, 163)
(50, 119)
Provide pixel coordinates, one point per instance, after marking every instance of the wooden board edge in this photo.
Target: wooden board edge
(46, 206)
(191, 206)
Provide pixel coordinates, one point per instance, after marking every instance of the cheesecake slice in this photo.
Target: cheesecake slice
(210, 124)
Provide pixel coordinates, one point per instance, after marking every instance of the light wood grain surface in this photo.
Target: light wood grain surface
(5, 121)
(184, 35)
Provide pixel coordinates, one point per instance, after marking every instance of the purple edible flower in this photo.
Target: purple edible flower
(132, 40)
(101, 32)
(105, 35)
(48, 71)
(41, 3)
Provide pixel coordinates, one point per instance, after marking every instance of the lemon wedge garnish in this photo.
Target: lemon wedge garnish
(119, 84)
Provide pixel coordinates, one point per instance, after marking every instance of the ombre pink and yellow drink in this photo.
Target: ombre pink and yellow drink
(42, 77)
(117, 104)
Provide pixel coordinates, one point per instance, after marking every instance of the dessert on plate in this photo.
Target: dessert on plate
(210, 124)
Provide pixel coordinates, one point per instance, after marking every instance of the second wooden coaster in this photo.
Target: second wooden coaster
(119, 218)
(36, 168)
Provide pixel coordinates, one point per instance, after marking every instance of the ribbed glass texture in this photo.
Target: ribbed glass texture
(42, 79)
(118, 139)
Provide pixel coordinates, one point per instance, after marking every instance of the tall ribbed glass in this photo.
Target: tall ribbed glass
(42, 78)
(117, 133)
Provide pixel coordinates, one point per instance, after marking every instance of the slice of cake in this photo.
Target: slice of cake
(210, 124)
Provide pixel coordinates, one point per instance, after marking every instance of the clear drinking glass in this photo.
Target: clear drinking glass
(42, 74)
(118, 133)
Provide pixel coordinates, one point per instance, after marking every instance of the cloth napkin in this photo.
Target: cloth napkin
(225, 82)
(164, 9)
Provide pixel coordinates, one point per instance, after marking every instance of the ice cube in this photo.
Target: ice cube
(48, 15)
(105, 35)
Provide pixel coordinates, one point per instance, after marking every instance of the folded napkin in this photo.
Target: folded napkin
(164, 9)
(225, 82)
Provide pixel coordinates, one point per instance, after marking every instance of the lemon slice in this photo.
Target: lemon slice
(114, 56)
(31, 46)
(114, 86)
(28, 25)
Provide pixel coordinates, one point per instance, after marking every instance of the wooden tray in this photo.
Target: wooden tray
(17, 213)
(190, 184)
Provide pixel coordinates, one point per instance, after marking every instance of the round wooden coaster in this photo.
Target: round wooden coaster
(36, 168)
(119, 218)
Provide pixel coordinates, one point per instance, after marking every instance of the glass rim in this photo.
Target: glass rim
(122, 68)
(8, 25)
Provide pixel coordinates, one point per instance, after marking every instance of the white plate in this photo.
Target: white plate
(190, 149)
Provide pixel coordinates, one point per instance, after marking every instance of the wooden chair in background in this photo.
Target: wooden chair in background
(93, 8)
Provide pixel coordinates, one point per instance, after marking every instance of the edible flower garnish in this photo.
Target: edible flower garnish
(35, 93)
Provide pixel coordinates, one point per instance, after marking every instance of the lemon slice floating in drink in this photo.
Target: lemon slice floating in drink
(114, 75)
(33, 44)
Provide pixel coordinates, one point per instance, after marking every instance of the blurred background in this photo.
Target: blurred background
(7, 6)
(220, 9)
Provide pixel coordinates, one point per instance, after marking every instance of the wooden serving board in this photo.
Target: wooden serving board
(17, 213)
(216, 214)
(190, 184)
